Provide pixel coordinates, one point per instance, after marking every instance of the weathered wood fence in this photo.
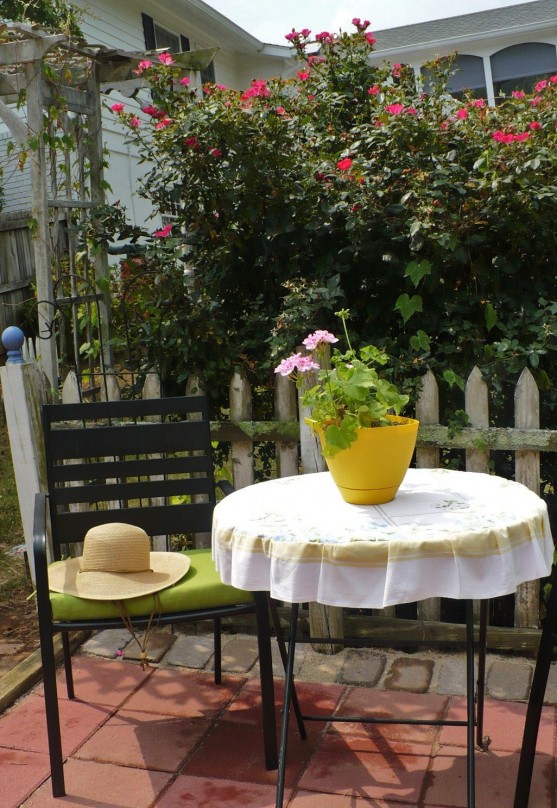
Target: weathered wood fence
(297, 451)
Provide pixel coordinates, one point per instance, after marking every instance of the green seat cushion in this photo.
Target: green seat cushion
(200, 588)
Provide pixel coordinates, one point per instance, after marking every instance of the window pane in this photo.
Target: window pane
(518, 61)
(166, 39)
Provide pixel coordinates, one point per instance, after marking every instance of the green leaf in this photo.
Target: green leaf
(408, 305)
(490, 316)
(453, 378)
(416, 271)
(420, 341)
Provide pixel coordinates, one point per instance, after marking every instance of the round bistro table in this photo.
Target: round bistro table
(450, 534)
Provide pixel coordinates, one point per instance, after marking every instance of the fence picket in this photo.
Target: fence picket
(242, 451)
(477, 408)
(427, 412)
(285, 410)
(527, 472)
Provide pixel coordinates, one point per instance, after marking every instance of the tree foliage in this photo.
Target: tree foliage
(354, 186)
(57, 14)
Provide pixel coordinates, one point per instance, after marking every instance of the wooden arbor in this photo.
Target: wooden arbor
(59, 135)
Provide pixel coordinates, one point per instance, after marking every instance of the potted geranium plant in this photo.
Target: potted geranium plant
(354, 410)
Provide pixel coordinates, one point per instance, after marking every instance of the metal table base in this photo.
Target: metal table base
(475, 692)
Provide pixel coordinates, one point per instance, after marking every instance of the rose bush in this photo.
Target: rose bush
(366, 187)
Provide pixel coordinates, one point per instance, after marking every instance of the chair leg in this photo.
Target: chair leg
(535, 702)
(51, 708)
(217, 642)
(68, 664)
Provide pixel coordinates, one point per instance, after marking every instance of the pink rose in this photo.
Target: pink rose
(185, 81)
(166, 59)
(166, 231)
(394, 109)
(117, 107)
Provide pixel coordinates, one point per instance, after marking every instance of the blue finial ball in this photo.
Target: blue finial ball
(12, 340)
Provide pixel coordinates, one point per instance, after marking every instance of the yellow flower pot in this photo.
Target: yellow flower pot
(371, 470)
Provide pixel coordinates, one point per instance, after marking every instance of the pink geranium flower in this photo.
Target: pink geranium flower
(312, 341)
(296, 362)
(166, 231)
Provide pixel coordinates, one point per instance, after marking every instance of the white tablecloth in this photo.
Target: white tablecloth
(447, 533)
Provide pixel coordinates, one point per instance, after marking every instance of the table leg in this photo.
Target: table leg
(470, 707)
(288, 684)
(480, 684)
(266, 676)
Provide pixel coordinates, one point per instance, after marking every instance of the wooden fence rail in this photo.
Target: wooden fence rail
(297, 450)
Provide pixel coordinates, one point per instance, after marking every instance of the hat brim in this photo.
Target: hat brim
(166, 569)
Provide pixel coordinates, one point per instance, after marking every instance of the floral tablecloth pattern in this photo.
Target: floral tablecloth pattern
(446, 534)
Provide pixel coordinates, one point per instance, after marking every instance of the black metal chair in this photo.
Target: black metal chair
(548, 640)
(147, 463)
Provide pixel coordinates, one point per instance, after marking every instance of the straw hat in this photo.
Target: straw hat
(117, 564)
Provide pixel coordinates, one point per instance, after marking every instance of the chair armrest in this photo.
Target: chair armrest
(40, 551)
(226, 487)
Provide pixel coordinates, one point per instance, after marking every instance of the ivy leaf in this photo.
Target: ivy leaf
(490, 316)
(420, 341)
(453, 378)
(408, 305)
(416, 271)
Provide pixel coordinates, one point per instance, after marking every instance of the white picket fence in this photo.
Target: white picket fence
(25, 389)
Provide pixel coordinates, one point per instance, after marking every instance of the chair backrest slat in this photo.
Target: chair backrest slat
(175, 519)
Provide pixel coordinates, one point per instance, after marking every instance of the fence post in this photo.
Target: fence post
(527, 472)
(285, 410)
(427, 412)
(25, 388)
(242, 451)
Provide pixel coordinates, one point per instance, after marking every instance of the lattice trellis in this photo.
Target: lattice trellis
(61, 80)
